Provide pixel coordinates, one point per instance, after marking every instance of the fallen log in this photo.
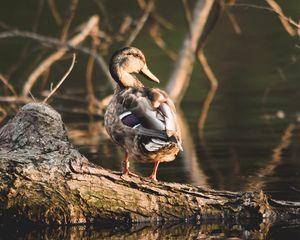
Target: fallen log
(45, 180)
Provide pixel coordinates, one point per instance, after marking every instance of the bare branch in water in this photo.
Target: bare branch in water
(154, 30)
(15, 99)
(187, 13)
(231, 17)
(93, 103)
(54, 12)
(155, 34)
(159, 19)
(44, 65)
(213, 88)
(7, 84)
(180, 77)
(68, 19)
(279, 13)
(66, 45)
(62, 80)
(140, 23)
(283, 20)
(3, 114)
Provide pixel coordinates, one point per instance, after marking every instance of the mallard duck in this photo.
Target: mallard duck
(139, 119)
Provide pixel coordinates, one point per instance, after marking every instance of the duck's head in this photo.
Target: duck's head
(127, 62)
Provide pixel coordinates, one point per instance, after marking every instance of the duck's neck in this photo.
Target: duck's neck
(125, 79)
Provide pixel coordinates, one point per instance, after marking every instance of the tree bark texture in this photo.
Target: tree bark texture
(45, 180)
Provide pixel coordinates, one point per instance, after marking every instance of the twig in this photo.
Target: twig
(38, 15)
(280, 14)
(283, 21)
(155, 34)
(44, 65)
(3, 114)
(159, 19)
(24, 51)
(103, 13)
(55, 42)
(62, 80)
(68, 19)
(231, 17)
(140, 23)
(31, 95)
(92, 101)
(15, 99)
(213, 88)
(54, 12)
(180, 76)
(187, 13)
(7, 84)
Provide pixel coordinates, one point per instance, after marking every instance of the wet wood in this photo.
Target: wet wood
(45, 180)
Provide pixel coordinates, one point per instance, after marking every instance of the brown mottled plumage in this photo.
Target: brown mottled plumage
(141, 120)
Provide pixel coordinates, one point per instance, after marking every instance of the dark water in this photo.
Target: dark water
(252, 133)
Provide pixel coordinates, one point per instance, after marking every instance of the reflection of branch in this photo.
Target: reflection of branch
(213, 87)
(180, 77)
(140, 23)
(285, 142)
(189, 154)
(258, 182)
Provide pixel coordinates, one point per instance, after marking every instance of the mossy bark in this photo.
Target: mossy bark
(45, 180)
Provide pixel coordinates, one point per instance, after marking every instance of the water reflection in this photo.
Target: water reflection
(147, 231)
(258, 181)
(232, 161)
(247, 143)
(154, 231)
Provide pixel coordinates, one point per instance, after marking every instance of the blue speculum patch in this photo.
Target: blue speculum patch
(130, 120)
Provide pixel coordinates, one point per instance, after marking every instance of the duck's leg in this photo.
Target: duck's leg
(153, 175)
(126, 166)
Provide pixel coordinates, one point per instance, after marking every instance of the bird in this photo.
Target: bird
(140, 119)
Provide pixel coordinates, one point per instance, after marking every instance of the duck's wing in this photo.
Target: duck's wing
(153, 114)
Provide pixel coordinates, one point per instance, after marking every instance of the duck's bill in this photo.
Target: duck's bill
(146, 72)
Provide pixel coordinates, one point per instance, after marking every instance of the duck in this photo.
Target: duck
(141, 120)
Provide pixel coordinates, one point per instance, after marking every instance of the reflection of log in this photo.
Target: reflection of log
(189, 154)
(45, 180)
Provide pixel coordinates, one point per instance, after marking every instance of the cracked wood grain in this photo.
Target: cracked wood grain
(45, 180)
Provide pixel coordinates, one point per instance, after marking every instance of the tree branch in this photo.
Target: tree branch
(180, 77)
